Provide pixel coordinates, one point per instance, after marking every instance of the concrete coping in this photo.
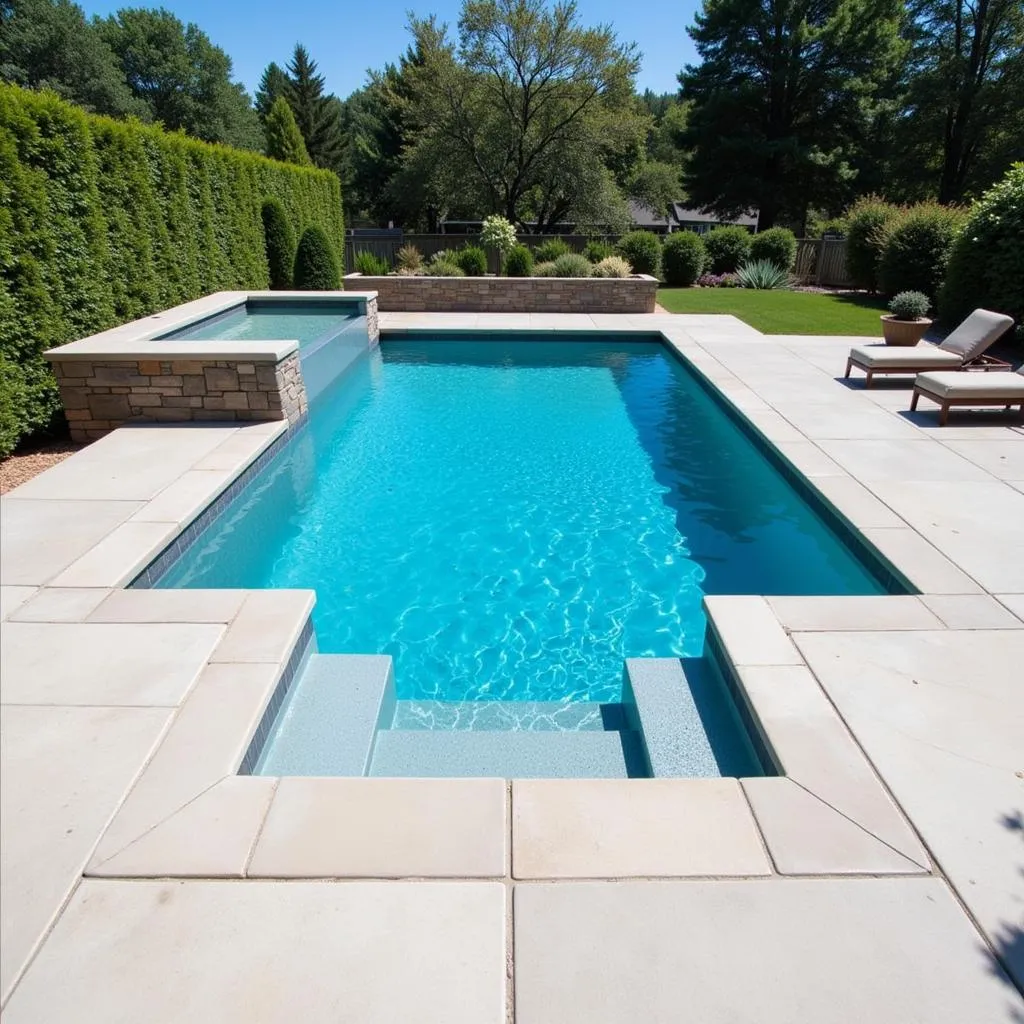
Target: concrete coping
(179, 348)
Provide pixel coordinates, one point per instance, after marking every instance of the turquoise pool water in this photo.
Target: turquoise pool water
(510, 519)
(271, 320)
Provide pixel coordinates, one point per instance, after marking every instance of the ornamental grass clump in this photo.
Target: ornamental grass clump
(611, 266)
(683, 257)
(549, 251)
(777, 245)
(444, 268)
(763, 275)
(369, 265)
(572, 264)
(545, 269)
(643, 251)
(596, 251)
(519, 262)
(909, 306)
(316, 266)
(408, 260)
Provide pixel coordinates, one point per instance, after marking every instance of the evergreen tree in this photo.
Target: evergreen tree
(273, 84)
(284, 140)
(782, 101)
(318, 116)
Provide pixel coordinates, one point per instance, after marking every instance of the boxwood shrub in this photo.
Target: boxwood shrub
(776, 245)
(643, 251)
(316, 266)
(105, 221)
(727, 249)
(519, 262)
(683, 257)
(472, 260)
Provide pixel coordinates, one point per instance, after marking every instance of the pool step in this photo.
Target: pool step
(516, 754)
(526, 715)
(338, 703)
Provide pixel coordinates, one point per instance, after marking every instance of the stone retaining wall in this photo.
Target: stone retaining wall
(102, 393)
(509, 294)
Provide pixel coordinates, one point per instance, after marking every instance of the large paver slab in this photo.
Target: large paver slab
(854, 613)
(941, 714)
(39, 539)
(87, 663)
(607, 828)
(61, 604)
(1002, 458)
(894, 459)
(134, 463)
(273, 952)
(384, 828)
(795, 951)
(62, 773)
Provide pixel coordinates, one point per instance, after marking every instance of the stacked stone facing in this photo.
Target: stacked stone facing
(102, 393)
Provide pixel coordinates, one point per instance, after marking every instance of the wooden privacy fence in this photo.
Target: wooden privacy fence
(819, 261)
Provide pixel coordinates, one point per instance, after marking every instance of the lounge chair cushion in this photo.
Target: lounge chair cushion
(923, 357)
(995, 386)
(977, 333)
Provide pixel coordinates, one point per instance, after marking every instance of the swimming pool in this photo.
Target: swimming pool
(511, 519)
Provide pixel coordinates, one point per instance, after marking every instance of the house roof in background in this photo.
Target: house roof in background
(643, 216)
(687, 215)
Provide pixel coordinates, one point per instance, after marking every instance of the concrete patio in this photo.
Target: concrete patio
(882, 879)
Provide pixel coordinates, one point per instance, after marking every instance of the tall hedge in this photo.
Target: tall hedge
(105, 221)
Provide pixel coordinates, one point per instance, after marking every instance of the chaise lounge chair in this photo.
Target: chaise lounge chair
(964, 348)
(973, 389)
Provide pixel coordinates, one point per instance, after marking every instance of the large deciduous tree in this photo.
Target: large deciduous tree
(526, 114)
(782, 100)
(964, 113)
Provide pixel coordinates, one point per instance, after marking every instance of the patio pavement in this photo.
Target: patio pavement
(96, 684)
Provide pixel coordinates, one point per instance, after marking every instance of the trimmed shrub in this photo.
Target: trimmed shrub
(763, 275)
(284, 140)
(777, 245)
(545, 269)
(643, 251)
(868, 223)
(727, 249)
(683, 257)
(909, 305)
(597, 251)
(408, 260)
(573, 264)
(105, 221)
(519, 262)
(986, 267)
(472, 260)
(316, 266)
(280, 242)
(612, 266)
(549, 251)
(443, 268)
(370, 265)
(918, 248)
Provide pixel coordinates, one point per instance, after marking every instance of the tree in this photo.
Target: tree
(48, 44)
(183, 79)
(964, 111)
(284, 140)
(781, 101)
(273, 85)
(318, 116)
(526, 114)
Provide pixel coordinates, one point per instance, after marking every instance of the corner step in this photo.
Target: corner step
(515, 754)
(524, 715)
(330, 720)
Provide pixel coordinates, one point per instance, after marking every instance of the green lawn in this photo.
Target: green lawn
(782, 312)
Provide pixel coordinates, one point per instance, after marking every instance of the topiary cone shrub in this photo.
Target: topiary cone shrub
(316, 266)
(683, 257)
(280, 242)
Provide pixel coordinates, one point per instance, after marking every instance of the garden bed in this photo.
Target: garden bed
(399, 293)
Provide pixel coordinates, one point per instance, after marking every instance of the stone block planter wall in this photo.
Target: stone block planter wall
(102, 393)
(509, 294)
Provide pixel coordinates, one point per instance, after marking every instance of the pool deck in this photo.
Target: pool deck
(881, 880)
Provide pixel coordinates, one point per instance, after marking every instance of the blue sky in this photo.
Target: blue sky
(346, 38)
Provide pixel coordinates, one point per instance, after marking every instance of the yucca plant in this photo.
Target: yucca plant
(763, 275)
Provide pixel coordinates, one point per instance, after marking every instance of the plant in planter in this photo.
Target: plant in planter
(906, 322)
(498, 233)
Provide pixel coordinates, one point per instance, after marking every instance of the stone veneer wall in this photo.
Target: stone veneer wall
(509, 294)
(102, 393)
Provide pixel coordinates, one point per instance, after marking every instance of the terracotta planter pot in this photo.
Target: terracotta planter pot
(903, 332)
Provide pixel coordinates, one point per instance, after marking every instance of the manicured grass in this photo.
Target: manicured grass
(782, 312)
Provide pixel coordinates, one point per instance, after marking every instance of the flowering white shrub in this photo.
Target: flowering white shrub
(498, 233)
